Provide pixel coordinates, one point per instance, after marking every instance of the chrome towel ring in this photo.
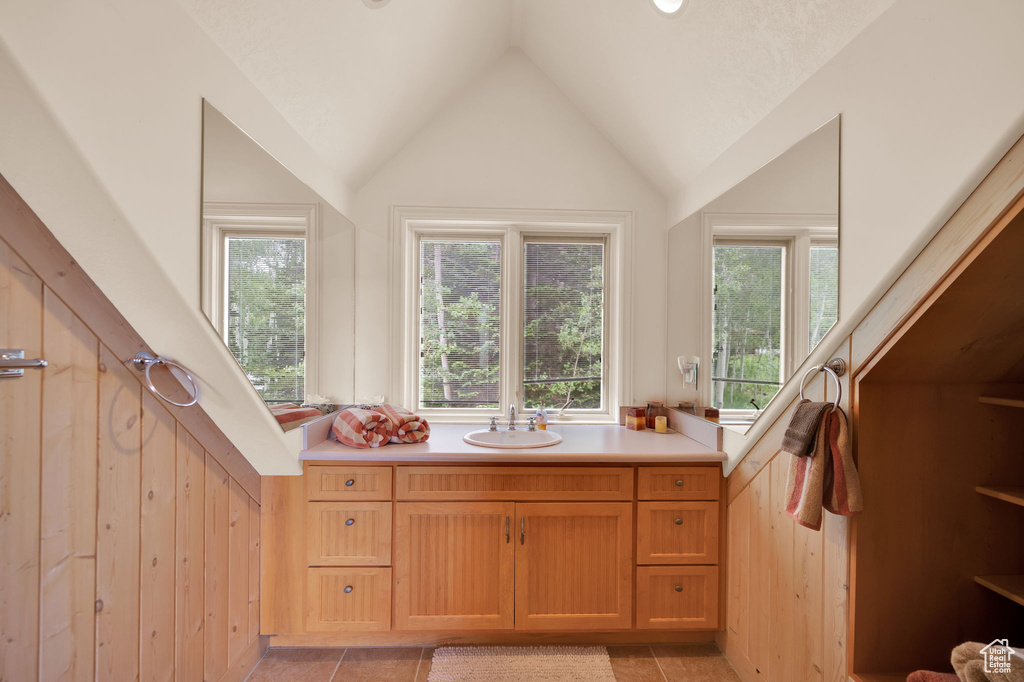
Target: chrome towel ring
(836, 367)
(144, 362)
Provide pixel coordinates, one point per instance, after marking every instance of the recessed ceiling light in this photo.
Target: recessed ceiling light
(670, 7)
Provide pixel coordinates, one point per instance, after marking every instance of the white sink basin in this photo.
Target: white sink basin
(512, 439)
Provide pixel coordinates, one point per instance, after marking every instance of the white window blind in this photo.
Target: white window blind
(747, 325)
(460, 323)
(266, 313)
(563, 324)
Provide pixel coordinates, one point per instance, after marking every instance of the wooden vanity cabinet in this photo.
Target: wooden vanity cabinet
(421, 553)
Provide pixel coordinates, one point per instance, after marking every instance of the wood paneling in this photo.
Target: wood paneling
(454, 565)
(349, 598)
(103, 505)
(677, 533)
(215, 630)
(348, 533)
(70, 422)
(21, 326)
(283, 542)
(345, 483)
(678, 483)
(574, 566)
(677, 597)
(514, 483)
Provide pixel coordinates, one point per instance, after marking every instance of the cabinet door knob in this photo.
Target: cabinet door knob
(679, 588)
(679, 484)
(679, 522)
(350, 482)
(349, 522)
(348, 588)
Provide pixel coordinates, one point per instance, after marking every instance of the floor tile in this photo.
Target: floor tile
(379, 665)
(694, 663)
(424, 672)
(300, 665)
(634, 664)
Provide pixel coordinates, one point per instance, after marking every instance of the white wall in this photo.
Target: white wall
(804, 179)
(100, 133)
(236, 169)
(511, 140)
(929, 104)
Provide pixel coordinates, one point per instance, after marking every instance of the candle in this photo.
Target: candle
(661, 424)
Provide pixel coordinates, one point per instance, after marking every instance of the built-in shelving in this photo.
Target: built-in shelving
(1010, 586)
(1006, 402)
(1011, 494)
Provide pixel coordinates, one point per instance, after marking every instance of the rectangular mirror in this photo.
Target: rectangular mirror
(277, 275)
(758, 267)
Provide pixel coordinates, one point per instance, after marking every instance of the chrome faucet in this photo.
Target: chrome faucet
(512, 418)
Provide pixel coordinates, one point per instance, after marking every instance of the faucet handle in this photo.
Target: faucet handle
(494, 424)
(531, 424)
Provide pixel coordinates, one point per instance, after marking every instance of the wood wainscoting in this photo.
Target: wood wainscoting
(129, 549)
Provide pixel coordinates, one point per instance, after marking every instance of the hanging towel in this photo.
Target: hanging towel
(405, 427)
(827, 478)
(799, 438)
(359, 428)
(842, 482)
(806, 483)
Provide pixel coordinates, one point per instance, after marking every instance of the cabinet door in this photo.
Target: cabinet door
(677, 533)
(574, 566)
(454, 565)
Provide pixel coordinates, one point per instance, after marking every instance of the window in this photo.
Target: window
(774, 295)
(257, 268)
(509, 314)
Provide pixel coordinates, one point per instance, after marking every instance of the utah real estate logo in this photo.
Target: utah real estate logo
(997, 656)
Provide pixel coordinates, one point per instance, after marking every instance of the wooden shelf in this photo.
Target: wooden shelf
(1006, 402)
(1011, 494)
(1010, 586)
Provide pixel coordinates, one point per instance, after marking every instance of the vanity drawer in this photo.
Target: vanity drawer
(677, 597)
(678, 483)
(568, 484)
(348, 533)
(348, 599)
(335, 483)
(677, 533)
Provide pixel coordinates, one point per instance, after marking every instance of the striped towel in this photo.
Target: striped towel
(287, 413)
(359, 428)
(406, 427)
(827, 478)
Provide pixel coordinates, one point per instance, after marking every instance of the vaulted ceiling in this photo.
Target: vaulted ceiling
(672, 93)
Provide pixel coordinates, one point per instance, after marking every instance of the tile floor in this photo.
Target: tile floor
(659, 663)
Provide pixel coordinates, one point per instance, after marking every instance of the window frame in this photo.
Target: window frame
(513, 228)
(797, 233)
(222, 220)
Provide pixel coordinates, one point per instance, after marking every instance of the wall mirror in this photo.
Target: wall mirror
(764, 257)
(283, 309)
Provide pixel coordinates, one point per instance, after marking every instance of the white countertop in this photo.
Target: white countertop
(580, 443)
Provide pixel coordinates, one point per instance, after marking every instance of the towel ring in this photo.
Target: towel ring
(835, 367)
(144, 362)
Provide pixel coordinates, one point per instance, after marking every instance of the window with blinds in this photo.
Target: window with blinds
(747, 325)
(824, 287)
(265, 312)
(563, 324)
(460, 323)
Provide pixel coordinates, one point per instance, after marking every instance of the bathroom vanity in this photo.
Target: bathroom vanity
(611, 535)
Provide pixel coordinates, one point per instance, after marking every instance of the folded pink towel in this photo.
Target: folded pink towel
(359, 428)
(929, 676)
(405, 426)
(827, 478)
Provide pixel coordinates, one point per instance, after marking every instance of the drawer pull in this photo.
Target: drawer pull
(522, 530)
(679, 484)
(508, 530)
(679, 522)
(348, 588)
(349, 522)
(679, 588)
(351, 482)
